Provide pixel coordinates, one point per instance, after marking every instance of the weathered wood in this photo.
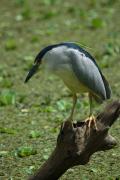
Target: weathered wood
(76, 143)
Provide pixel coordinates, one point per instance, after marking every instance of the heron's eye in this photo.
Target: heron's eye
(82, 54)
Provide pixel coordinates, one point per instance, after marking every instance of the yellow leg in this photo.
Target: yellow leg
(73, 108)
(91, 120)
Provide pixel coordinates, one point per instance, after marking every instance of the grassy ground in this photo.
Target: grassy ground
(30, 115)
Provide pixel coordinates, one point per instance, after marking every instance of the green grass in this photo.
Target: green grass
(31, 114)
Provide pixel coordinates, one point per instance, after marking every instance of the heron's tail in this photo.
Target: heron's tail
(107, 88)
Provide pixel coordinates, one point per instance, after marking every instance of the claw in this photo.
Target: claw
(91, 121)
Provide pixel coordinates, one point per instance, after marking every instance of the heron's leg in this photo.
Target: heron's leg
(90, 101)
(73, 107)
(91, 120)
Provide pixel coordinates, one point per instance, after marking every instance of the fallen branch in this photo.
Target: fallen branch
(76, 143)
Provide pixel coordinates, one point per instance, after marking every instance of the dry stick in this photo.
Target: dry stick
(75, 144)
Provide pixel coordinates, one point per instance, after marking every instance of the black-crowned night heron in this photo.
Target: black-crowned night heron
(77, 68)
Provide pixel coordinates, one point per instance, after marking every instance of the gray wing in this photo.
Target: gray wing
(107, 87)
(88, 73)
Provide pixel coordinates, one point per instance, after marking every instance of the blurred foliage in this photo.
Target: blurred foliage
(7, 130)
(34, 134)
(7, 97)
(31, 114)
(3, 153)
(26, 151)
(10, 44)
(97, 23)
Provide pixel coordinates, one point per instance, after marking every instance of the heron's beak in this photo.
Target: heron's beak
(32, 71)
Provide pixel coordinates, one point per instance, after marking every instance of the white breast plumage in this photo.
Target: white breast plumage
(59, 65)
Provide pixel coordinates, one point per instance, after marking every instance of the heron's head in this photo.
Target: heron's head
(39, 60)
(34, 69)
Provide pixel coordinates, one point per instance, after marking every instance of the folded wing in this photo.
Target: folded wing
(89, 74)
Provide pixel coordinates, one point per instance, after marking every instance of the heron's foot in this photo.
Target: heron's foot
(91, 121)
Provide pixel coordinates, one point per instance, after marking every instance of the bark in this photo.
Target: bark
(76, 143)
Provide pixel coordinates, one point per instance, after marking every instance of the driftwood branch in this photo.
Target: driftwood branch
(76, 143)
